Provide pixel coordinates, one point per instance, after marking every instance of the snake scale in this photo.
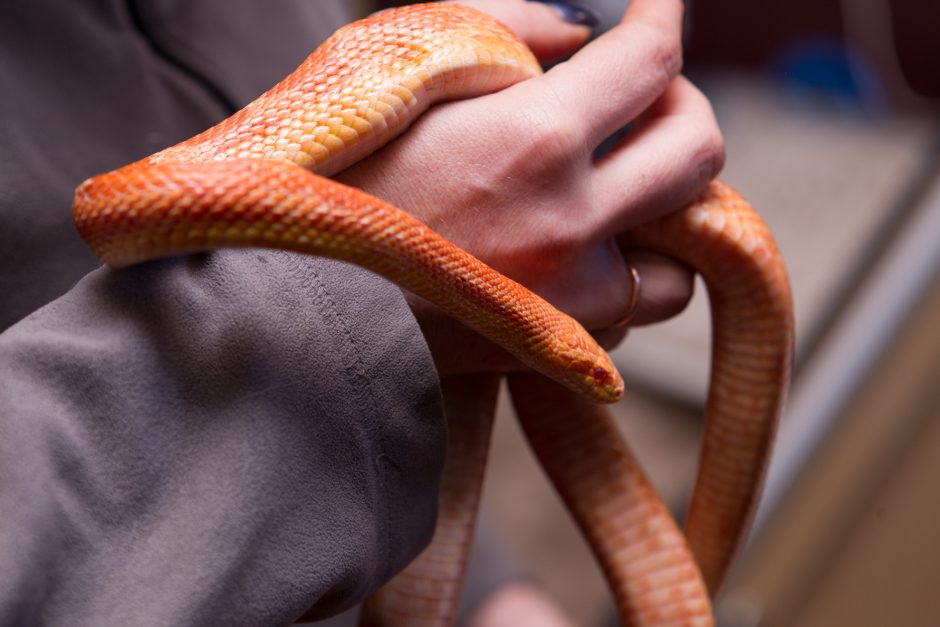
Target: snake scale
(259, 179)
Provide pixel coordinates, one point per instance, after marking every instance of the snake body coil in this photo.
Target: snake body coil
(258, 179)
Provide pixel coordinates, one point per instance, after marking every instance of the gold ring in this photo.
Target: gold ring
(634, 296)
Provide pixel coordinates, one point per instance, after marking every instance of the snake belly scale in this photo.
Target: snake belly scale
(259, 179)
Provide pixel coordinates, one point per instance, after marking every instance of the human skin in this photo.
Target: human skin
(512, 178)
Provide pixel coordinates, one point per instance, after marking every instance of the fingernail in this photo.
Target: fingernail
(572, 13)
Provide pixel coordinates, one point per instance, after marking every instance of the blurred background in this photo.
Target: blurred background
(830, 115)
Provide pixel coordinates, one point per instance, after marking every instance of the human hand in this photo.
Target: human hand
(511, 177)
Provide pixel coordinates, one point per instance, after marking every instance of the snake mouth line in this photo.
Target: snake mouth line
(249, 182)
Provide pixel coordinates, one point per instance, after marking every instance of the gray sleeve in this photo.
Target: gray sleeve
(228, 439)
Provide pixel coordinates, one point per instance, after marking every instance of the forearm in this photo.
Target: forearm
(234, 437)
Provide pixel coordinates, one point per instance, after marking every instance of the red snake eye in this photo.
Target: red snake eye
(250, 181)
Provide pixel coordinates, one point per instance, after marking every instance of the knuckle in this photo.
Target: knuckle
(703, 137)
(558, 140)
(668, 58)
(552, 139)
(663, 50)
(709, 154)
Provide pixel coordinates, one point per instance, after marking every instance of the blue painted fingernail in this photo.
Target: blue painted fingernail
(572, 13)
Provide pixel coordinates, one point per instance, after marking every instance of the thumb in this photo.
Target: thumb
(550, 29)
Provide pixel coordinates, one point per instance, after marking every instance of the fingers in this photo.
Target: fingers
(541, 27)
(595, 287)
(599, 289)
(669, 158)
(616, 77)
(519, 188)
(666, 287)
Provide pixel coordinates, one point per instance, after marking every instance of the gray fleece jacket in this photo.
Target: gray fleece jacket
(230, 438)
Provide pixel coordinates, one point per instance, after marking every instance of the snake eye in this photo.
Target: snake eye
(601, 376)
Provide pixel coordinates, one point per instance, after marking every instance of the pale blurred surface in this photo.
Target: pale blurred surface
(832, 136)
(519, 500)
(848, 537)
(824, 181)
(855, 542)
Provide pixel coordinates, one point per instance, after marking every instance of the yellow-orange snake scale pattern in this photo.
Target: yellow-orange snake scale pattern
(258, 179)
